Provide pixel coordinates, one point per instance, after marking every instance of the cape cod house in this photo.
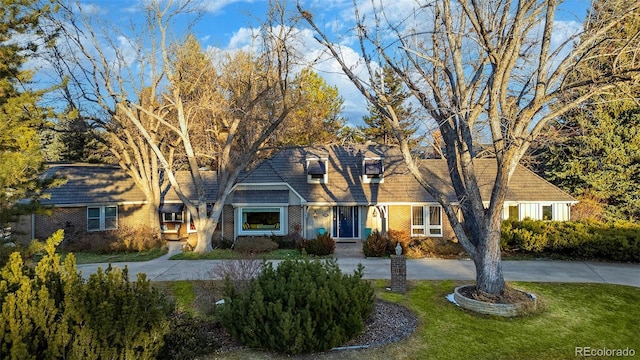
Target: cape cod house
(346, 191)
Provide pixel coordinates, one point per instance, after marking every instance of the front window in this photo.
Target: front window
(261, 220)
(417, 220)
(547, 212)
(426, 220)
(102, 218)
(172, 217)
(435, 220)
(514, 213)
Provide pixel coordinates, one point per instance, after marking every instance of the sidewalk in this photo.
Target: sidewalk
(163, 269)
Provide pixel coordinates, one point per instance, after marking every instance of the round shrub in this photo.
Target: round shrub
(377, 245)
(188, 338)
(298, 307)
(254, 245)
(323, 245)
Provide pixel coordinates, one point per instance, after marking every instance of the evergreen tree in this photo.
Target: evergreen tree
(21, 117)
(378, 130)
(316, 119)
(596, 154)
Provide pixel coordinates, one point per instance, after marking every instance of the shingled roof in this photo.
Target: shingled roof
(102, 184)
(525, 185)
(95, 184)
(345, 169)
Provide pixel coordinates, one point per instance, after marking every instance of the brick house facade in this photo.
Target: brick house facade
(347, 192)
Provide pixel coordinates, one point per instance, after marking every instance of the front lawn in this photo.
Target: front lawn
(229, 254)
(87, 257)
(577, 315)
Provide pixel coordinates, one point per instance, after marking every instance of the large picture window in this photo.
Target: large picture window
(102, 218)
(426, 220)
(262, 220)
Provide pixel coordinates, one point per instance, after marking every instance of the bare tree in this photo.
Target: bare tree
(101, 76)
(474, 64)
(208, 114)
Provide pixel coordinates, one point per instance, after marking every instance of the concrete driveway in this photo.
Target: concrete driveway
(162, 269)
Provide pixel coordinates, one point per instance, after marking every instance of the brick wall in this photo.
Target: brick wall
(400, 218)
(295, 218)
(228, 231)
(73, 220)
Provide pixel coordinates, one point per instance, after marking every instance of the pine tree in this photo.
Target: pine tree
(316, 120)
(596, 154)
(21, 117)
(377, 129)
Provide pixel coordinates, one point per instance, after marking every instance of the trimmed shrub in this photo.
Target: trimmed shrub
(254, 244)
(322, 245)
(402, 237)
(290, 240)
(50, 312)
(298, 307)
(138, 238)
(188, 338)
(377, 245)
(302, 244)
(585, 239)
(124, 239)
(434, 247)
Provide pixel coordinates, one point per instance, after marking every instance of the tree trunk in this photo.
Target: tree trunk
(488, 261)
(206, 225)
(205, 234)
(153, 216)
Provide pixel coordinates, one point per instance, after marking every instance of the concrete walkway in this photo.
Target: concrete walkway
(162, 269)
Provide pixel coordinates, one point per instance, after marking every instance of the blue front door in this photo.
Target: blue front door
(345, 222)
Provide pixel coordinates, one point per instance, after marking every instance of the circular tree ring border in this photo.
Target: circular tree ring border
(482, 307)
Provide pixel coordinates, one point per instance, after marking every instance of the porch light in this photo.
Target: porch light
(315, 214)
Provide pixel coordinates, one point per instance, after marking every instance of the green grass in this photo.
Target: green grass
(575, 315)
(228, 254)
(184, 296)
(92, 257)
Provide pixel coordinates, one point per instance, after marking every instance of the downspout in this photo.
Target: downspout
(303, 216)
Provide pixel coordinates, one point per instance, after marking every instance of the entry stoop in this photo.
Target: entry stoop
(348, 249)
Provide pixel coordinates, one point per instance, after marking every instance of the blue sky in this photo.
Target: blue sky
(226, 25)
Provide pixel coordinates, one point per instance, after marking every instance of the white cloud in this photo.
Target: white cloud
(216, 6)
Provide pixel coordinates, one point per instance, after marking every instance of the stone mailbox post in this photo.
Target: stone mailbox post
(398, 271)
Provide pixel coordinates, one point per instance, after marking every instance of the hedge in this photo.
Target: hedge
(616, 241)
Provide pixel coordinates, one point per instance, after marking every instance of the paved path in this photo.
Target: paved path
(161, 269)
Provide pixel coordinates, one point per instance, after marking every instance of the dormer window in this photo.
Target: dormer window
(373, 170)
(317, 171)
